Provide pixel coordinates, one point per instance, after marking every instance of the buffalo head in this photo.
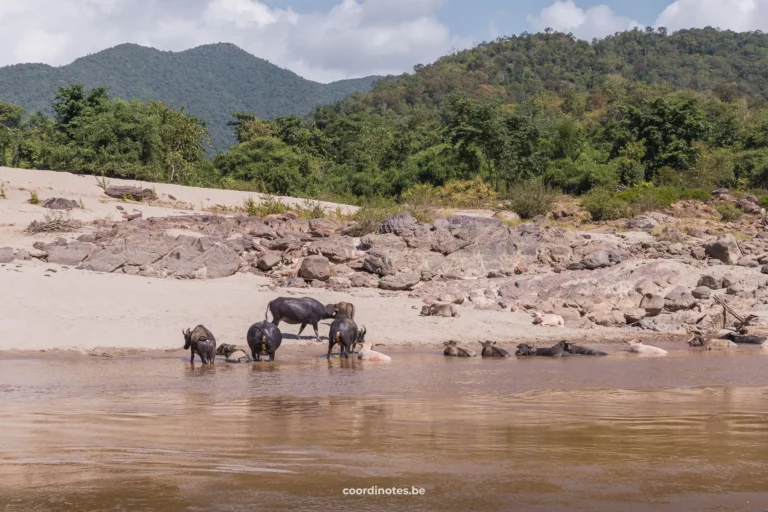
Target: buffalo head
(187, 338)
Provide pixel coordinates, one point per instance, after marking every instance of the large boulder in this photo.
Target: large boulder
(403, 281)
(634, 315)
(613, 318)
(724, 248)
(268, 261)
(364, 280)
(315, 268)
(384, 262)
(645, 285)
(108, 259)
(59, 203)
(338, 250)
(6, 255)
(385, 241)
(71, 254)
(679, 299)
(399, 224)
(653, 304)
(323, 227)
(642, 223)
(711, 282)
(702, 292)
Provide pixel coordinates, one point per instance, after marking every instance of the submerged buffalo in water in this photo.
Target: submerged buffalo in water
(554, 351)
(303, 310)
(345, 333)
(200, 341)
(444, 310)
(232, 353)
(578, 350)
(345, 308)
(711, 343)
(745, 340)
(639, 347)
(453, 349)
(491, 350)
(264, 339)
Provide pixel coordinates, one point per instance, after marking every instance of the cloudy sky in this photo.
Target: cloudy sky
(331, 39)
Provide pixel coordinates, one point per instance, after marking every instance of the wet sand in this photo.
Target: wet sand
(683, 432)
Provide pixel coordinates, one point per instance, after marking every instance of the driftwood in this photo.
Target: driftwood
(742, 323)
(133, 193)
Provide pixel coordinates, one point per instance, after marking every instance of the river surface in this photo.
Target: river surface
(684, 432)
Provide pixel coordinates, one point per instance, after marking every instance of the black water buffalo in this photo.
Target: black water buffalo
(264, 338)
(347, 308)
(303, 310)
(491, 350)
(744, 340)
(344, 331)
(453, 349)
(232, 353)
(200, 341)
(554, 351)
(578, 350)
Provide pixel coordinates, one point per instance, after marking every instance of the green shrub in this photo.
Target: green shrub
(422, 201)
(763, 202)
(603, 204)
(529, 199)
(267, 206)
(696, 194)
(371, 215)
(729, 212)
(33, 199)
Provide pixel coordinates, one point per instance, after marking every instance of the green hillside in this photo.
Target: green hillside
(211, 82)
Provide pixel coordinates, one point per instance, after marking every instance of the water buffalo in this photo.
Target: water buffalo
(453, 349)
(264, 338)
(347, 308)
(554, 351)
(445, 310)
(202, 342)
(491, 350)
(344, 331)
(578, 350)
(548, 320)
(639, 348)
(304, 311)
(232, 353)
(745, 340)
(711, 343)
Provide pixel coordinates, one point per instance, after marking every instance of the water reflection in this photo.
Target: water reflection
(680, 433)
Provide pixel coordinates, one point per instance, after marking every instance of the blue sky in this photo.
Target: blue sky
(327, 40)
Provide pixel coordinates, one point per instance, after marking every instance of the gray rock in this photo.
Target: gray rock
(399, 224)
(711, 282)
(6, 255)
(384, 262)
(724, 248)
(699, 253)
(364, 280)
(337, 249)
(652, 303)
(23, 255)
(403, 281)
(386, 241)
(634, 315)
(702, 292)
(613, 318)
(735, 289)
(645, 285)
(642, 222)
(71, 254)
(315, 268)
(728, 280)
(679, 299)
(764, 269)
(748, 261)
(339, 282)
(59, 203)
(341, 270)
(268, 261)
(108, 259)
(295, 282)
(597, 259)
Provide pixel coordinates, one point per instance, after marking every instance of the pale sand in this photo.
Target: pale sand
(84, 310)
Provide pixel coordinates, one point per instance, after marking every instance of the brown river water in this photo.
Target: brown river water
(620, 433)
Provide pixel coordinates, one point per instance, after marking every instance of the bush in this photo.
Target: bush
(696, 194)
(372, 215)
(33, 199)
(267, 206)
(602, 204)
(474, 193)
(422, 202)
(646, 199)
(54, 222)
(729, 212)
(529, 199)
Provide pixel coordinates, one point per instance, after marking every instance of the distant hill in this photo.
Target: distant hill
(210, 81)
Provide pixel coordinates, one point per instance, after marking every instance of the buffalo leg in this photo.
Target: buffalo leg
(317, 333)
(330, 347)
(192, 357)
(271, 356)
(254, 356)
(303, 326)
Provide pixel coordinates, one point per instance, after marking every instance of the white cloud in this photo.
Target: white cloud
(566, 16)
(738, 15)
(354, 38)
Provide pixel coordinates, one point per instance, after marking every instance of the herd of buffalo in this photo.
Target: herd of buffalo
(264, 338)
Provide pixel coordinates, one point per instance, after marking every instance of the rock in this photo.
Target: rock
(87, 238)
(315, 268)
(316, 283)
(341, 270)
(699, 253)
(507, 216)
(679, 299)
(735, 289)
(642, 223)
(338, 250)
(386, 241)
(748, 206)
(764, 269)
(652, 303)
(595, 260)
(747, 261)
(724, 248)
(383, 262)
(22, 255)
(728, 280)
(634, 315)
(364, 280)
(710, 282)
(702, 292)
(339, 282)
(71, 254)
(59, 203)
(268, 261)
(403, 281)
(399, 224)
(6, 255)
(645, 285)
(108, 259)
(613, 318)
(295, 282)
(38, 255)
(323, 227)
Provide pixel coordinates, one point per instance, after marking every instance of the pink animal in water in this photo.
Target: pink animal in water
(548, 320)
(368, 354)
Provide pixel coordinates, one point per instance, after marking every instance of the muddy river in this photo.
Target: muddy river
(151, 433)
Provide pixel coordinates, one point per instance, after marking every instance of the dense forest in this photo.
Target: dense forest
(640, 110)
(210, 82)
